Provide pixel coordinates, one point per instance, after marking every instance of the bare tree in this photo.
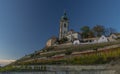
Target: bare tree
(109, 31)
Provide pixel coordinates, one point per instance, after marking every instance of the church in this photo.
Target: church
(75, 37)
(64, 29)
(64, 32)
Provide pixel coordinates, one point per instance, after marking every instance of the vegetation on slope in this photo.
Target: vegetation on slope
(51, 51)
(86, 59)
(97, 57)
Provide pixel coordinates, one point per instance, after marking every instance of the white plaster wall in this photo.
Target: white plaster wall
(102, 39)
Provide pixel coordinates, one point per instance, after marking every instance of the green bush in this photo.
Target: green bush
(68, 52)
(63, 40)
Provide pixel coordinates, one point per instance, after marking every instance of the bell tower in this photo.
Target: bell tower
(64, 24)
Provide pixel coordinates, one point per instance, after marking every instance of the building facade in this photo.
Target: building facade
(64, 26)
(64, 30)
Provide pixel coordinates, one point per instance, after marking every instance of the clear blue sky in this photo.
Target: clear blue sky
(26, 25)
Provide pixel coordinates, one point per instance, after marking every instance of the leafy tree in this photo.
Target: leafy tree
(68, 52)
(98, 30)
(85, 30)
(49, 48)
(63, 40)
(90, 34)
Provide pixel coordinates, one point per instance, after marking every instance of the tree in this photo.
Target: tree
(63, 40)
(98, 30)
(68, 52)
(90, 34)
(85, 30)
(109, 31)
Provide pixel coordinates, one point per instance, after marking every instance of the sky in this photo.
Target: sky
(26, 25)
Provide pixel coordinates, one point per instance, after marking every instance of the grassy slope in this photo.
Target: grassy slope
(94, 58)
(97, 57)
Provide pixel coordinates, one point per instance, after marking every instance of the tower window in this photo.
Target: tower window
(64, 32)
(65, 25)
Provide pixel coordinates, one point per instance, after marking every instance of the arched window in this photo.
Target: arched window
(65, 25)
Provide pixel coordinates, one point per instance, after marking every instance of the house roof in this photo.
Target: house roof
(95, 38)
(117, 34)
(72, 32)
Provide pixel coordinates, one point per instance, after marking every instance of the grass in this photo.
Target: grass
(87, 59)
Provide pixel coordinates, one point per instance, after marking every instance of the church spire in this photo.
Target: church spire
(65, 14)
(64, 24)
(64, 17)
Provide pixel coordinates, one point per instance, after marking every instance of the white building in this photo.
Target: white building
(51, 41)
(73, 35)
(64, 30)
(64, 24)
(114, 37)
(102, 39)
(76, 42)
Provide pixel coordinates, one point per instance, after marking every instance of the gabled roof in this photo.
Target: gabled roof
(72, 32)
(117, 34)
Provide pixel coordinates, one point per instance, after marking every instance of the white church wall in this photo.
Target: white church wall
(49, 43)
(69, 37)
(77, 36)
(73, 36)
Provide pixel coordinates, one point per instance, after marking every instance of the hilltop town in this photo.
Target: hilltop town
(72, 48)
(86, 36)
(71, 43)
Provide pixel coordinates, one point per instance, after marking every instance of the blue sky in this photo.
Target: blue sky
(26, 25)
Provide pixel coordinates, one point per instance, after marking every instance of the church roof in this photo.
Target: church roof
(64, 17)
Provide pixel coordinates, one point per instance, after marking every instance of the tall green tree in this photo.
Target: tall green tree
(85, 30)
(98, 30)
(91, 34)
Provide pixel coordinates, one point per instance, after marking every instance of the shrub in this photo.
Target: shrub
(68, 52)
(63, 40)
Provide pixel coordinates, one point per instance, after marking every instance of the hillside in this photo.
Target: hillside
(60, 54)
(107, 54)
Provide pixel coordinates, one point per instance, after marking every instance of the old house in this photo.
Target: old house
(72, 35)
(102, 39)
(51, 41)
(114, 36)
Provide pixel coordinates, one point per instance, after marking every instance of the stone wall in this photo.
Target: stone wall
(68, 72)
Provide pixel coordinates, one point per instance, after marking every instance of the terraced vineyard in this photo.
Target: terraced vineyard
(96, 54)
(90, 54)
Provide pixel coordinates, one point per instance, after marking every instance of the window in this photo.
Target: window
(65, 25)
(102, 37)
(64, 32)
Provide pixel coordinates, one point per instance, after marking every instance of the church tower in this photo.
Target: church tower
(64, 24)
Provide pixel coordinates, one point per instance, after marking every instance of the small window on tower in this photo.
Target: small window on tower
(64, 32)
(65, 25)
